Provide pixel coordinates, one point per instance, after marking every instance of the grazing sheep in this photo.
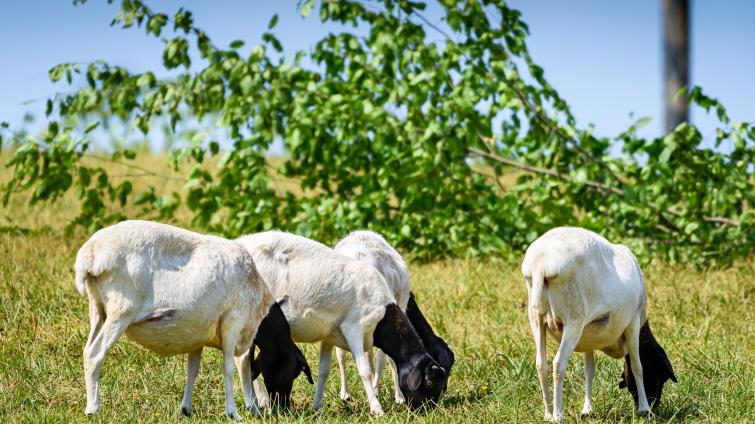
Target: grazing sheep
(339, 301)
(372, 248)
(274, 360)
(435, 345)
(590, 295)
(174, 291)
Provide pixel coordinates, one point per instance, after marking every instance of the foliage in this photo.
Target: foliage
(394, 131)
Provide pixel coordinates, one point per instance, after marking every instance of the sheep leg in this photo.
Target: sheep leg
(96, 319)
(229, 334)
(398, 396)
(355, 337)
(381, 358)
(589, 374)
(537, 325)
(94, 355)
(192, 370)
(340, 358)
(326, 353)
(632, 340)
(569, 339)
(262, 398)
(377, 369)
(243, 365)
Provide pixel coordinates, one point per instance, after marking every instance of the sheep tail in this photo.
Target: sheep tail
(538, 298)
(83, 267)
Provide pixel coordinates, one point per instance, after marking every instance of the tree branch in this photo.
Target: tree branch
(146, 171)
(539, 170)
(594, 184)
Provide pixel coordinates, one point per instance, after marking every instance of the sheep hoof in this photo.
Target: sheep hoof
(186, 411)
(646, 414)
(254, 410)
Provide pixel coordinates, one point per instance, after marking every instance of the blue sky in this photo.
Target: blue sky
(603, 57)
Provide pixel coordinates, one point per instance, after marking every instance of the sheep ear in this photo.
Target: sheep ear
(281, 300)
(308, 373)
(304, 366)
(665, 361)
(414, 379)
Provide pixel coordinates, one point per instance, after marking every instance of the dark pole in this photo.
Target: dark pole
(675, 60)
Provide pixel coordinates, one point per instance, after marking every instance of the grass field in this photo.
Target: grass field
(704, 319)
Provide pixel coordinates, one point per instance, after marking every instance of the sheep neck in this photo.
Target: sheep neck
(395, 335)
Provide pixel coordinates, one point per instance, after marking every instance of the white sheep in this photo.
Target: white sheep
(174, 291)
(339, 301)
(590, 295)
(372, 248)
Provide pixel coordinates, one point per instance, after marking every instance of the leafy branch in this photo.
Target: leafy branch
(379, 133)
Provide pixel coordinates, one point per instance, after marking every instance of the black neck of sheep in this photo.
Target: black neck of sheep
(436, 346)
(418, 321)
(656, 368)
(274, 334)
(421, 379)
(280, 361)
(396, 336)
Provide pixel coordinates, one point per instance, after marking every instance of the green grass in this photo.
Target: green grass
(704, 319)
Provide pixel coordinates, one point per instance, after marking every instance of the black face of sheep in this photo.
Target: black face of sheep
(422, 382)
(280, 361)
(445, 358)
(421, 378)
(656, 369)
(436, 346)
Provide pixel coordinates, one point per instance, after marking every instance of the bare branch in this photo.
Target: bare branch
(145, 171)
(539, 170)
(600, 186)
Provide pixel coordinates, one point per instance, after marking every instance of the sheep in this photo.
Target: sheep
(339, 301)
(372, 248)
(174, 291)
(589, 294)
(436, 346)
(273, 361)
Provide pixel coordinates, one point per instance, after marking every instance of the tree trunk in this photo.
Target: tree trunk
(675, 60)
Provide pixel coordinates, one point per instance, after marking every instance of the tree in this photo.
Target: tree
(396, 132)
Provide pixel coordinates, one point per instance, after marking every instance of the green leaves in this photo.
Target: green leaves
(667, 151)
(176, 53)
(91, 127)
(63, 70)
(155, 23)
(434, 139)
(183, 20)
(305, 7)
(273, 22)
